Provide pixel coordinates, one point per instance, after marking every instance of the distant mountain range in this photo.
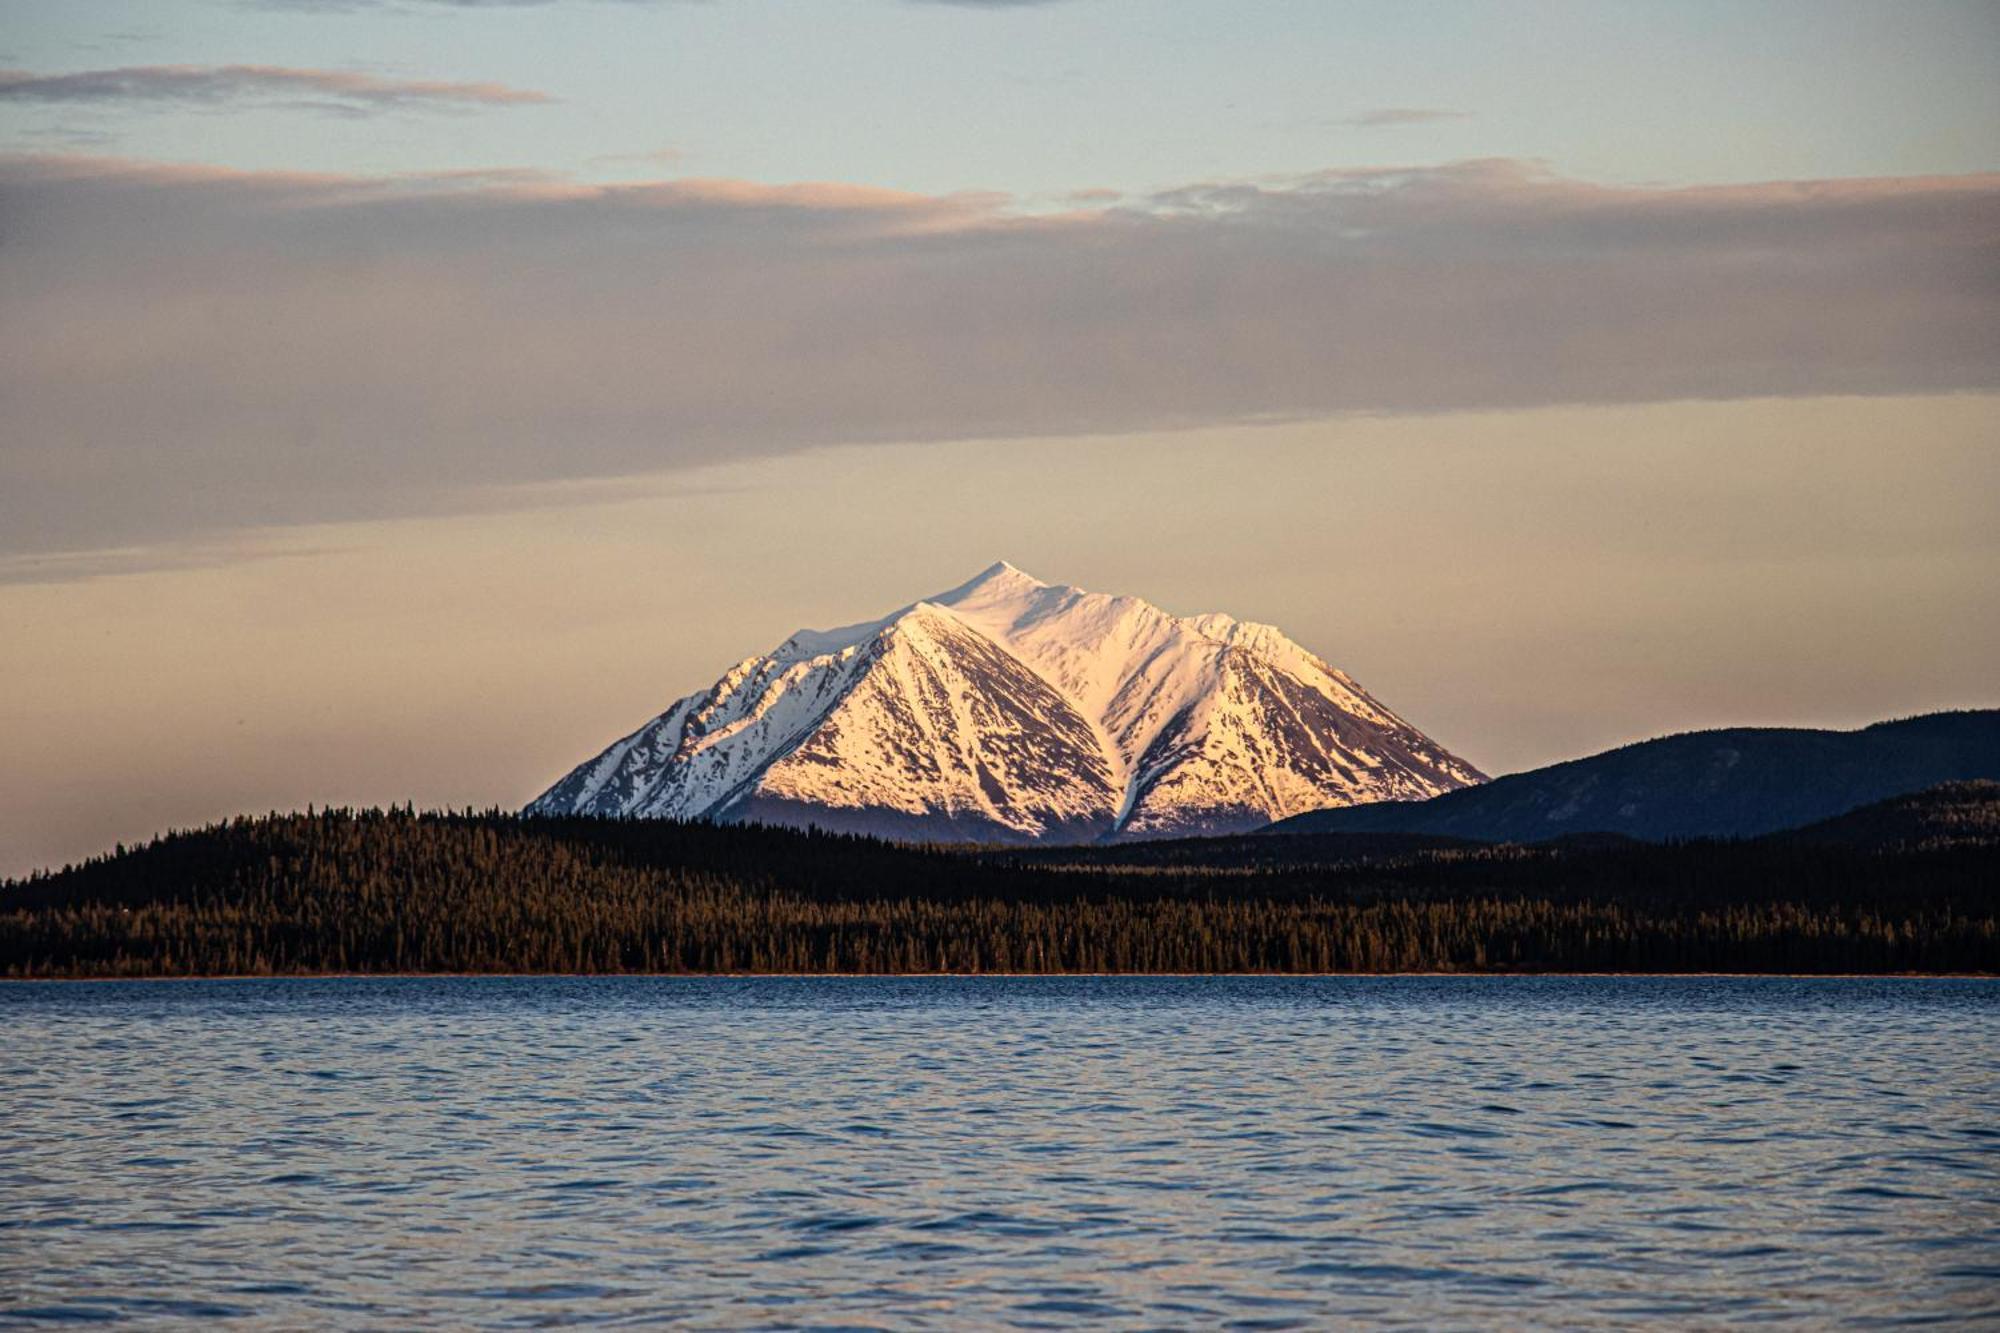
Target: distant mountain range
(1011, 710)
(1739, 782)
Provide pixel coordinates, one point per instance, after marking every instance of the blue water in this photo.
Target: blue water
(1036, 1153)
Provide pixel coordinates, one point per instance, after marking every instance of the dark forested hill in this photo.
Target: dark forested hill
(389, 891)
(1706, 784)
(1951, 814)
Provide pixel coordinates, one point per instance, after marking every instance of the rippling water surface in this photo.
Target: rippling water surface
(1029, 1152)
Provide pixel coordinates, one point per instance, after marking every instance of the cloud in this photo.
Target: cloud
(1392, 117)
(213, 84)
(188, 352)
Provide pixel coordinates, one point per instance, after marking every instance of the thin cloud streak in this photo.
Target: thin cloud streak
(189, 352)
(658, 157)
(1394, 117)
(358, 6)
(215, 84)
(216, 553)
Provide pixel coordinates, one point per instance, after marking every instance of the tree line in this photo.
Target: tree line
(379, 891)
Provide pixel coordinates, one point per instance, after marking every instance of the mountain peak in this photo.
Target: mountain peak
(1011, 709)
(998, 575)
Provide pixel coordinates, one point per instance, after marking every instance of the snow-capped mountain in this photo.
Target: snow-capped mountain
(1012, 710)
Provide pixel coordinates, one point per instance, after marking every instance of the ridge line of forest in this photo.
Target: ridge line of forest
(378, 892)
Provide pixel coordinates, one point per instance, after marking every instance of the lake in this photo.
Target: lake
(1023, 1152)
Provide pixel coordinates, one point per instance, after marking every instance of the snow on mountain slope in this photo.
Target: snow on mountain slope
(1008, 709)
(945, 733)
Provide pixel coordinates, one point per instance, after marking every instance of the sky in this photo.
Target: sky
(401, 398)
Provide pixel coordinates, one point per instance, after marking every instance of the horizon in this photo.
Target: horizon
(405, 397)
